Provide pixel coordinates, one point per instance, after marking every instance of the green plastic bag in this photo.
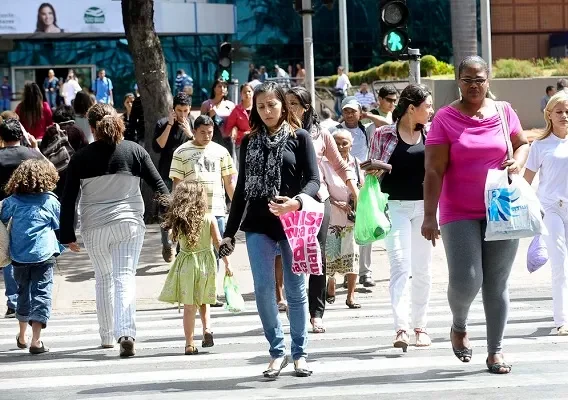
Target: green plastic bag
(372, 222)
(234, 301)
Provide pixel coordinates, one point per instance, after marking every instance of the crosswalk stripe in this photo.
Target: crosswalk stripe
(356, 341)
(205, 374)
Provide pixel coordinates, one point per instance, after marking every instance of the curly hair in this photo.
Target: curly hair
(33, 176)
(187, 207)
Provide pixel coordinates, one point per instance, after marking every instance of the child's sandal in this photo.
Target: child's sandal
(207, 340)
(190, 350)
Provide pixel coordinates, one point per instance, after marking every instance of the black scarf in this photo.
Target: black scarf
(263, 178)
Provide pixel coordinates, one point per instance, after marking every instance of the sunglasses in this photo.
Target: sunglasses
(390, 100)
(477, 81)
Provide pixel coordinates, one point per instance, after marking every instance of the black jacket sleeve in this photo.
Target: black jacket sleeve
(310, 171)
(68, 203)
(239, 202)
(160, 127)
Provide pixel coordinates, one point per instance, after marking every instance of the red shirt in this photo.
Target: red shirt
(38, 130)
(239, 118)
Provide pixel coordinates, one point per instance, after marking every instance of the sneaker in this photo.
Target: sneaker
(126, 346)
(168, 253)
(367, 281)
(563, 330)
(10, 313)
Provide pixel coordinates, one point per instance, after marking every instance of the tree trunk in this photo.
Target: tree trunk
(151, 76)
(464, 29)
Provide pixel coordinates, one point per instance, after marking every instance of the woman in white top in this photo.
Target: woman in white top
(549, 155)
(70, 89)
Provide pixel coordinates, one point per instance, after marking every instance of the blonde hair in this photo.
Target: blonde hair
(187, 207)
(559, 97)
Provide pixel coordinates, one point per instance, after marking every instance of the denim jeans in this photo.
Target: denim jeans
(35, 284)
(261, 252)
(11, 286)
(51, 98)
(5, 105)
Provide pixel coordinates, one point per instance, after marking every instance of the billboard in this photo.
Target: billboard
(68, 18)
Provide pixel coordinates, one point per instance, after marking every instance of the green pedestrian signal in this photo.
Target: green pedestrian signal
(225, 75)
(394, 27)
(394, 42)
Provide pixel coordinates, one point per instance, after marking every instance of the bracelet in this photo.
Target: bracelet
(299, 200)
(170, 124)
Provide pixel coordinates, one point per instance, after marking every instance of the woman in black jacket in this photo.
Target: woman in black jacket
(277, 163)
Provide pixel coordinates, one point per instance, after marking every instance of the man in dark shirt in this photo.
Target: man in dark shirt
(171, 132)
(11, 156)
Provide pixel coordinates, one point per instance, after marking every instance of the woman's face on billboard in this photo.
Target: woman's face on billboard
(46, 15)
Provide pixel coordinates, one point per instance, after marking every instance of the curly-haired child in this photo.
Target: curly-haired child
(33, 211)
(191, 280)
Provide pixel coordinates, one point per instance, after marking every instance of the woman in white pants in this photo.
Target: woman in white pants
(549, 155)
(402, 146)
(107, 173)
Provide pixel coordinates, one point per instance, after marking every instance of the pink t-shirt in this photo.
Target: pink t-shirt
(475, 147)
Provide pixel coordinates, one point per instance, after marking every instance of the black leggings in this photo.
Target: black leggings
(318, 283)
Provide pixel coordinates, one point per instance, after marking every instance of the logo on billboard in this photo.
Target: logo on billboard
(94, 15)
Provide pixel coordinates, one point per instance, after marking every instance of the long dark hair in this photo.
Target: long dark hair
(217, 82)
(256, 123)
(310, 118)
(414, 95)
(31, 107)
(83, 101)
(40, 26)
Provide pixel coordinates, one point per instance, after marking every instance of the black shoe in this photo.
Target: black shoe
(367, 281)
(10, 313)
(168, 253)
(126, 346)
(344, 283)
(272, 373)
(218, 304)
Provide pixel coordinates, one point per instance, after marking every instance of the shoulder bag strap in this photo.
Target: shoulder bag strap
(505, 127)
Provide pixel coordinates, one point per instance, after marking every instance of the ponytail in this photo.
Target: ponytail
(110, 129)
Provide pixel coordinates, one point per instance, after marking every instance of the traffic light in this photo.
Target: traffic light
(225, 61)
(394, 30)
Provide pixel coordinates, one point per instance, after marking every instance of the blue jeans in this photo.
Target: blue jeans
(35, 284)
(11, 286)
(51, 98)
(261, 252)
(5, 104)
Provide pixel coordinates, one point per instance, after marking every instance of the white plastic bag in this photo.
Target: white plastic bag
(513, 210)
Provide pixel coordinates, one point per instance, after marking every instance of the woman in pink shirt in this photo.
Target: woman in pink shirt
(238, 122)
(299, 101)
(464, 142)
(35, 114)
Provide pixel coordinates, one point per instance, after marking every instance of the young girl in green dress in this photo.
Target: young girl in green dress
(191, 280)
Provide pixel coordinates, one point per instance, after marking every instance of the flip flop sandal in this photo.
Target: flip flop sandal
(464, 355)
(496, 367)
(190, 350)
(207, 340)
(272, 373)
(19, 344)
(282, 307)
(39, 350)
(352, 305)
(330, 299)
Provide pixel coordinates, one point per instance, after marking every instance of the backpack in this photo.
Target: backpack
(59, 150)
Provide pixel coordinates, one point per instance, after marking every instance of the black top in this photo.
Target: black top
(405, 182)
(10, 159)
(299, 175)
(177, 138)
(109, 194)
(136, 122)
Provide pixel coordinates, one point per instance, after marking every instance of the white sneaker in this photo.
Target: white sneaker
(563, 330)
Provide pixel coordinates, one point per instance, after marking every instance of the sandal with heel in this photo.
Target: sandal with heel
(401, 341)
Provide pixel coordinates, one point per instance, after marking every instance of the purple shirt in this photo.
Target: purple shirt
(6, 91)
(476, 146)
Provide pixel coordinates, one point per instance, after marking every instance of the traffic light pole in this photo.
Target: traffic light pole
(414, 61)
(306, 14)
(343, 46)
